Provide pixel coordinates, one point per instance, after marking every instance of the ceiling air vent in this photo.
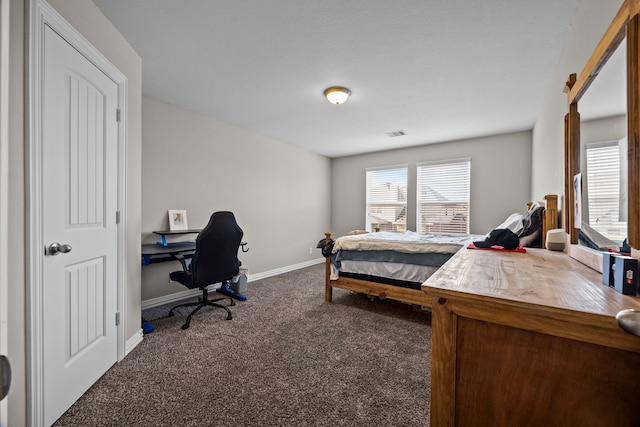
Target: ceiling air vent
(396, 133)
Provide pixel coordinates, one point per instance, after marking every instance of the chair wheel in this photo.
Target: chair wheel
(185, 326)
(171, 314)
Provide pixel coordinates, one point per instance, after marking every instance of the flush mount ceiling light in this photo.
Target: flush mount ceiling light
(337, 94)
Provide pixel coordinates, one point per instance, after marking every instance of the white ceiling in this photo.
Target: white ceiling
(440, 70)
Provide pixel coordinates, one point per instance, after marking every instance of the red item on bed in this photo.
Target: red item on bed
(498, 248)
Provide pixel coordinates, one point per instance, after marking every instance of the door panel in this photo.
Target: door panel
(79, 170)
(85, 147)
(85, 317)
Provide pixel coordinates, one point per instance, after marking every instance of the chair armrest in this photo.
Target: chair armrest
(179, 257)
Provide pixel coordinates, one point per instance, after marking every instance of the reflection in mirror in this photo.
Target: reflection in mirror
(603, 156)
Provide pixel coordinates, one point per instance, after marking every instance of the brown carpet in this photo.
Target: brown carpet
(286, 359)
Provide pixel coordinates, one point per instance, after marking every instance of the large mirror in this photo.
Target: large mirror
(604, 120)
(603, 206)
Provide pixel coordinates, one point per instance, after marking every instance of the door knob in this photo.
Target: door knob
(5, 376)
(55, 248)
(629, 321)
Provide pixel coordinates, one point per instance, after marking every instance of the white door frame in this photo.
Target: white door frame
(4, 186)
(41, 14)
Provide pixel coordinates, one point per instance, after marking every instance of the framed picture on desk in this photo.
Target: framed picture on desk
(177, 219)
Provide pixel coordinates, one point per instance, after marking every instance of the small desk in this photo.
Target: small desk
(165, 251)
(153, 253)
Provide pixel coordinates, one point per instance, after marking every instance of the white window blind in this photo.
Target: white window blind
(606, 210)
(443, 190)
(387, 199)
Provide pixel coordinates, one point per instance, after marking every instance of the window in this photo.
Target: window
(387, 199)
(607, 210)
(443, 190)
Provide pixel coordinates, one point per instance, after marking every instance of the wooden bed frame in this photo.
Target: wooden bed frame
(415, 296)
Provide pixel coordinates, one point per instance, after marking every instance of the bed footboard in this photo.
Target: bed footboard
(328, 294)
(397, 293)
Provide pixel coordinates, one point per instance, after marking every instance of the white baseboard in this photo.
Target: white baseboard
(133, 341)
(167, 299)
(190, 293)
(286, 269)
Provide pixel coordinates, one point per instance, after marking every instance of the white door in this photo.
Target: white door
(79, 203)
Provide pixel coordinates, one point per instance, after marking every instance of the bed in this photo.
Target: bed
(392, 265)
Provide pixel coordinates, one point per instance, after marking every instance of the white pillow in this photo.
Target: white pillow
(513, 223)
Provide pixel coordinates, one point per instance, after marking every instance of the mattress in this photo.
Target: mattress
(405, 257)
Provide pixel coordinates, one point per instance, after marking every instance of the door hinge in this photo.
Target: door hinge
(117, 217)
(117, 318)
(118, 115)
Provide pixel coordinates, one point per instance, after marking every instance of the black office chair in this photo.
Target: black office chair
(215, 261)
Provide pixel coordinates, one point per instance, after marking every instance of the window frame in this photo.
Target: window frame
(396, 209)
(460, 209)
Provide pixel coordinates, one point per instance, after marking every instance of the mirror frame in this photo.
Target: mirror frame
(625, 24)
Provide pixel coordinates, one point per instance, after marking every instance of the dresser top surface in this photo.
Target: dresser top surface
(539, 277)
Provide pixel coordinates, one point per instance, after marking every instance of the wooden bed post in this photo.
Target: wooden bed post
(550, 216)
(550, 219)
(328, 290)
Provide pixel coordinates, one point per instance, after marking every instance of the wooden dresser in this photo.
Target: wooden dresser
(529, 339)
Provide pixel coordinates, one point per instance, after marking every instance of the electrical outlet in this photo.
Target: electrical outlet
(311, 250)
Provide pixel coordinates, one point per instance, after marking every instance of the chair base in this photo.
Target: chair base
(203, 301)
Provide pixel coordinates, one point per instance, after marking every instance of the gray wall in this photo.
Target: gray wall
(592, 20)
(278, 193)
(601, 130)
(500, 179)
